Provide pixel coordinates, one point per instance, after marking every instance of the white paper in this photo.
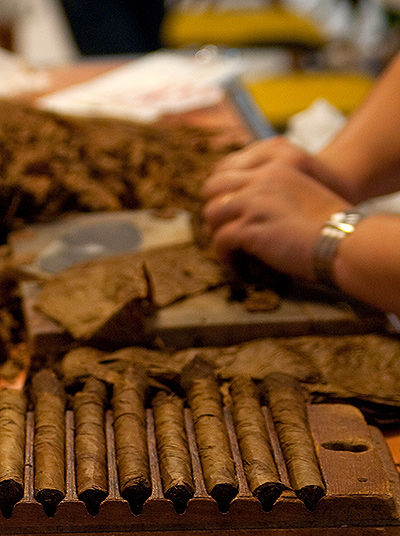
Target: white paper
(313, 128)
(144, 89)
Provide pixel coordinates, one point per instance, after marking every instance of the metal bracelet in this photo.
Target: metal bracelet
(340, 225)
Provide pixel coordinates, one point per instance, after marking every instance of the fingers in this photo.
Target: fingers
(259, 153)
(227, 240)
(236, 236)
(222, 183)
(243, 167)
(252, 155)
(222, 209)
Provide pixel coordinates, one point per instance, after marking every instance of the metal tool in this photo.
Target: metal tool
(250, 113)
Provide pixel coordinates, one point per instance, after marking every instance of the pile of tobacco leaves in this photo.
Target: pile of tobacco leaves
(52, 165)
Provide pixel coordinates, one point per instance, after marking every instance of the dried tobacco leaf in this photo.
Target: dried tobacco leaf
(104, 301)
(365, 366)
(362, 369)
(12, 447)
(107, 301)
(53, 164)
(175, 272)
(173, 451)
(261, 300)
(255, 445)
(128, 404)
(82, 362)
(90, 444)
(286, 400)
(261, 357)
(49, 447)
(204, 397)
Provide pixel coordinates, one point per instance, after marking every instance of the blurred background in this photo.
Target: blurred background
(294, 50)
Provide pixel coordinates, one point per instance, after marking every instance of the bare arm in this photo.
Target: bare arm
(368, 263)
(364, 159)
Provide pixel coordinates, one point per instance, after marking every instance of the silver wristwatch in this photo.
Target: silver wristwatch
(340, 225)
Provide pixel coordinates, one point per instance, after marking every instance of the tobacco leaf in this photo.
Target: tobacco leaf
(107, 301)
(362, 366)
(128, 404)
(254, 442)
(90, 443)
(101, 300)
(361, 369)
(84, 361)
(287, 402)
(180, 271)
(261, 357)
(172, 447)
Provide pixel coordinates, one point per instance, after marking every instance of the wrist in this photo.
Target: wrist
(339, 226)
(344, 174)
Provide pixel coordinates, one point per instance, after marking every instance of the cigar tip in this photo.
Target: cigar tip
(92, 499)
(224, 494)
(179, 496)
(136, 495)
(268, 494)
(310, 496)
(49, 498)
(10, 493)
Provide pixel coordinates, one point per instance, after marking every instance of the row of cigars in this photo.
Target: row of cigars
(129, 406)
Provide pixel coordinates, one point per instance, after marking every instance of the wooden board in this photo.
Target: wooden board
(363, 489)
(211, 319)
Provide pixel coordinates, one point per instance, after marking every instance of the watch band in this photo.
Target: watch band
(340, 225)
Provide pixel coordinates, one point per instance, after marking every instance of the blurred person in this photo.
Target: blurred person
(299, 213)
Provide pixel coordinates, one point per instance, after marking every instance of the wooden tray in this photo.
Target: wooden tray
(363, 489)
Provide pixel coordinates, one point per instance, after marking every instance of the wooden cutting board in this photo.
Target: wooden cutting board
(212, 319)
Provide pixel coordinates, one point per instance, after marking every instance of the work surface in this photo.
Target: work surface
(221, 115)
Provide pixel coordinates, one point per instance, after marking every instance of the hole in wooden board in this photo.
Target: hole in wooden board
(348, 446)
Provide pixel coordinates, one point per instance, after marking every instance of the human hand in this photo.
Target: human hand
(276, 149)
(271, 210)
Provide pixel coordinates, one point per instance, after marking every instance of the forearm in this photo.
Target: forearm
(365, 156)
(367, 265)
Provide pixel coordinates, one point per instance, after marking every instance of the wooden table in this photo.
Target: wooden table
(220, 115)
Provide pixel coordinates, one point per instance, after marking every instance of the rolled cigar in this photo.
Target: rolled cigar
(128, 405)
(201, 387)
(49, 442)
(286, 400)
(173, 451)
(12, 447)
(90, 444)
(254, 443)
